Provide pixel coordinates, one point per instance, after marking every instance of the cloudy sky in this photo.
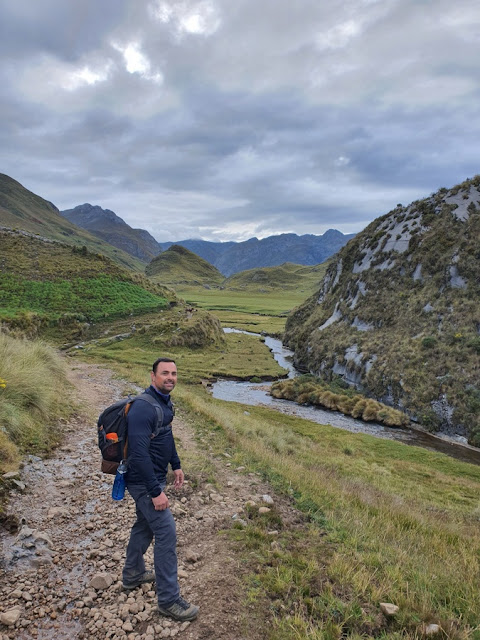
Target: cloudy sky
(228, 119)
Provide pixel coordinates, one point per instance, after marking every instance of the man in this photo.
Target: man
(148, 460)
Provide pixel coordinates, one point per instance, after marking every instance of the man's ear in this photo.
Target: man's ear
(152, 376)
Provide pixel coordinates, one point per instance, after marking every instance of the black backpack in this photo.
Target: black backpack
(113, 420)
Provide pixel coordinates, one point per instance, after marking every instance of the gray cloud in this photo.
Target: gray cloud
(221, 120)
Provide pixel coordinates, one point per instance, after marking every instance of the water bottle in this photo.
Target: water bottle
(118, 490)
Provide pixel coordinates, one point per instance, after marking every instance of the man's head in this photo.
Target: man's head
(164, 375)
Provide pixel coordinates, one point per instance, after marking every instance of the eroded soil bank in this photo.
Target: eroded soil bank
(69, 530)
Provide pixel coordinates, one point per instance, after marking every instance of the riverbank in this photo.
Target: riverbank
(258, 394)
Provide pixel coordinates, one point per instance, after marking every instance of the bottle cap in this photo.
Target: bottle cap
(112, 437)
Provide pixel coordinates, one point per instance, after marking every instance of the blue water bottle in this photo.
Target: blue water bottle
(118, 490)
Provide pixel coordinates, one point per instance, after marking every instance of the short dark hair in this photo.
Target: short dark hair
(157, 362)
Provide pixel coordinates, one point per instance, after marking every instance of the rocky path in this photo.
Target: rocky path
(61, 570)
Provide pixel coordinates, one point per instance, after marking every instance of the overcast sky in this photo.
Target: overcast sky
(228, 119)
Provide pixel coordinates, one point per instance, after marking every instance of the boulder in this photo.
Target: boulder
(10, 618)
(101, 581)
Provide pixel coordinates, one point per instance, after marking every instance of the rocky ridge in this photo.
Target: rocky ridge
(396, 314)
(107, 226)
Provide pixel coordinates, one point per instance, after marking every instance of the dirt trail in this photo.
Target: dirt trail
(70, 530)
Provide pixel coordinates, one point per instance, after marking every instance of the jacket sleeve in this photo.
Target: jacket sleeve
(141, 420)
(175, 460)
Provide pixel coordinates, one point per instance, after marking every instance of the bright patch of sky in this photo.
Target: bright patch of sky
(200, 18)
(137, 62)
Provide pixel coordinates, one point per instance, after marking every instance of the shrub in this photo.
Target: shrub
(33, 395)
(474, 344)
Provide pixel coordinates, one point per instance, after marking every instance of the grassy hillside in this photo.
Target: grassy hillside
(22, 209)
(397, 312)
(178, 266)
(48, 284)
(285, 277)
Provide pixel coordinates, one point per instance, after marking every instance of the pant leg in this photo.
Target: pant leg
(141, 535)
(162, 525)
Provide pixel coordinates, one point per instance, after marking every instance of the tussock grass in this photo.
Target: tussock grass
(33, 396)
(310, 390)
(388, 523)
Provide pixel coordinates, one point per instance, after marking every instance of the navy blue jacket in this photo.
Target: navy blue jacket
(148, 458)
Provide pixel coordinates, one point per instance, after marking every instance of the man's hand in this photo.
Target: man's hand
(160, 502)
(179, 478)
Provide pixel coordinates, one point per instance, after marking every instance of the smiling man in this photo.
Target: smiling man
(151, 448)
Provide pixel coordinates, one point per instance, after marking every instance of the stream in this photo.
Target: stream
(258, 394)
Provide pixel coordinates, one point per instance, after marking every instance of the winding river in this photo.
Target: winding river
(258, 394)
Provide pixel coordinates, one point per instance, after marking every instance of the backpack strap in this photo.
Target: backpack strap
(148, 398)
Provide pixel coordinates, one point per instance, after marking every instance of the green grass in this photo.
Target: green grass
(254, 322)
(388, 523)
(274, 303)
(239, 356)
(95, 298)
(34, 394)
(246, 310)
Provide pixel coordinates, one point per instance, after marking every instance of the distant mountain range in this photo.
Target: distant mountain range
(397, 313)
(227, 257)
(232, 257)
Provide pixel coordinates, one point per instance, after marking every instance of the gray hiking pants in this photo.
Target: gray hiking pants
(160, 526)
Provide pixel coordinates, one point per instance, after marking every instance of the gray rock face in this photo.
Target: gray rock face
(404, 289)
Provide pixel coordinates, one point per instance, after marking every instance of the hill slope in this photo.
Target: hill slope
(105, 224)
(22, 209)
(49, 286)
(178, 265)
(397, 312)
(284, 277)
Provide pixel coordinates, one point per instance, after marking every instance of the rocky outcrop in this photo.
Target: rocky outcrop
(397, 312)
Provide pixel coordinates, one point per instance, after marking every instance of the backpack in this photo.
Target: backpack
(113, 422)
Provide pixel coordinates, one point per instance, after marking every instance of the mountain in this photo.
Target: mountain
(24, 210)
(232, 257)
(105, 224)
(397, 312)
(177, 265)
(209, 251)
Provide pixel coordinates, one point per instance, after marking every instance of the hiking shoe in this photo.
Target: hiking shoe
(148, 576)
(180, 610)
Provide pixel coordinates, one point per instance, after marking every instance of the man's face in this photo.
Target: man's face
(165, 377)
